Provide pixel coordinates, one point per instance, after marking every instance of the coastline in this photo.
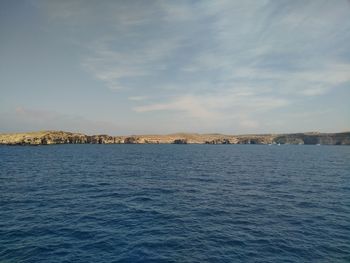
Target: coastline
(63, 137)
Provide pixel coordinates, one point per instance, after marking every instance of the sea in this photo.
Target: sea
(174, 203)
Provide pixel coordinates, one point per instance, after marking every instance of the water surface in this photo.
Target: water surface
(175, 203)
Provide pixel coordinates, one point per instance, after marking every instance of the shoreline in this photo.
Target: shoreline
(62, 137)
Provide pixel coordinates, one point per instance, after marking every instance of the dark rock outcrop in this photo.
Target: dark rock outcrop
(315, 138)
(219, 141)
(131, 140)
(180, 141)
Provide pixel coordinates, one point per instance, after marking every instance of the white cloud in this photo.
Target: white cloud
(212, 60)
(219, 107)
(187, 104)
(261, 40)
(112, 66)
(137, 98)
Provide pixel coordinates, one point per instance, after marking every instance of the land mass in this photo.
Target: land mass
(62, 137)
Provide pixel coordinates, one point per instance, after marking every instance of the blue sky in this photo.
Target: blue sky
(137, 67)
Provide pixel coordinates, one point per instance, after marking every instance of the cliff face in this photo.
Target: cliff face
(61, 137)
(42, 138)
(315, 138)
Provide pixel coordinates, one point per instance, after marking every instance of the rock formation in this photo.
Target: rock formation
(180, 141)
(61, 137)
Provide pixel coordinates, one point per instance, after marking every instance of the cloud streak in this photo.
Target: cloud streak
(238, 108)
(229, 62)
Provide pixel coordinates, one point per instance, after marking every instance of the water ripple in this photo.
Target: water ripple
(162, 203)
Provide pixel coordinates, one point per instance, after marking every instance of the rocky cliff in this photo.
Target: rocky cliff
(61, 137)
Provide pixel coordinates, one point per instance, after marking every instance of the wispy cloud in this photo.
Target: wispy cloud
(191, 63)
(137, 98)
(287, 45)
(115, 67)
(237, 106)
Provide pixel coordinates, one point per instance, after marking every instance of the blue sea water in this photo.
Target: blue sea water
(175, 203)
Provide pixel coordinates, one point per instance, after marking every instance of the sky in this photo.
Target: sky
(155, 67)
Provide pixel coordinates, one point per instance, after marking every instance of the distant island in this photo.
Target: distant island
(62, 137)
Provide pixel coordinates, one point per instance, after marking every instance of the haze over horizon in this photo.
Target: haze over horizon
(160, 67)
